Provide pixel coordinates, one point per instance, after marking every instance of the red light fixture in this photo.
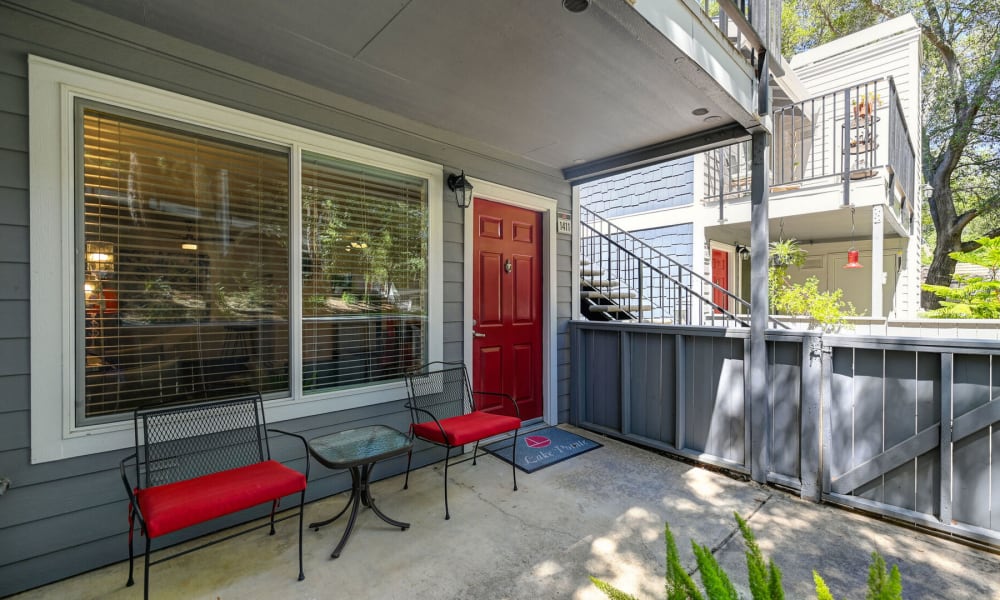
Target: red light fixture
(852, 260)
(852, 254)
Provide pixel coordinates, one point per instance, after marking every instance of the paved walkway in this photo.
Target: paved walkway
(601, 513)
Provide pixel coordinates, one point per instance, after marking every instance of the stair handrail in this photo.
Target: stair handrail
(723, 312)
(584, 211)
(681, 267)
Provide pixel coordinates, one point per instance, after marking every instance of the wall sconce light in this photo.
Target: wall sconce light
(462, 188)
(743, 251)
(100, 257)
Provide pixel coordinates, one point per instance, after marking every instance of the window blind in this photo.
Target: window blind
(183, 265)
(364, 273)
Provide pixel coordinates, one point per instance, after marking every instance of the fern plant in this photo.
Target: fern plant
(765, 577)
(973, 297)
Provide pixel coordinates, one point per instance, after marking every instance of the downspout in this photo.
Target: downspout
(759, 416)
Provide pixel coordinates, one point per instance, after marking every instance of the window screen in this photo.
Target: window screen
(183, 263)
(364, 273)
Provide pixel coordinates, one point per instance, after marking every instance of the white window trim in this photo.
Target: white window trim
(52, 90)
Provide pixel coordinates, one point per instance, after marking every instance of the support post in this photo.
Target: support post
(878, 269)
(759, 309)
(760, 459)
(810, 424)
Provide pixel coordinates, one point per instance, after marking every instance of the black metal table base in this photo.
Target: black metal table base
(360, 494)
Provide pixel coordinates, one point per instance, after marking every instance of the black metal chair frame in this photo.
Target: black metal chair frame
(184, 441)
(468, 405)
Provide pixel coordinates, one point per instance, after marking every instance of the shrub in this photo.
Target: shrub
(764, 579)
(827, 310)
(973, 297)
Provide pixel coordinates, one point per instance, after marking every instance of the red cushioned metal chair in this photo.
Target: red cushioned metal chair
(197, 462)
(446, 412)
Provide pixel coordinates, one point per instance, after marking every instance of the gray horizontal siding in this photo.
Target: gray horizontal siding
(655, 187)
(65, 517)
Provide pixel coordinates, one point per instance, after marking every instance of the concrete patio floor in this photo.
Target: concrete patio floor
(600, 513)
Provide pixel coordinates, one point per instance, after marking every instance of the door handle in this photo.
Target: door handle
(476, 334)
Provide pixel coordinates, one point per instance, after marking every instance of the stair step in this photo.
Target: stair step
(600, 283)
(610, 295)
(591, 272)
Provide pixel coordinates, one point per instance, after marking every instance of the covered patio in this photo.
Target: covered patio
(600, 513)
(529, 100)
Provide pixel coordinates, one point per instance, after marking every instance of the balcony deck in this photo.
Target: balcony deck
(601, 514)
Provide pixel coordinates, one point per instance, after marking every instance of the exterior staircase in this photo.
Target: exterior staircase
(603, 299)
(622, 278)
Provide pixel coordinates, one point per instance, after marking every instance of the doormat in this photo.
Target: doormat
(539, 449)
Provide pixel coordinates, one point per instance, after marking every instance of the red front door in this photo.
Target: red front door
(507, 304)
(720, 277)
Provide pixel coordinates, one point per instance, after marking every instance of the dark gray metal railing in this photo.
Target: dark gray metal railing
(651, 286)
(749, 25)
(902, 157)
(845, 135)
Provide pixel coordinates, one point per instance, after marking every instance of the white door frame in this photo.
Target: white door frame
(547, 207)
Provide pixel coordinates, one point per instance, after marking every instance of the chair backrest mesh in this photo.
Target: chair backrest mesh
(190, 441)
(441, 388)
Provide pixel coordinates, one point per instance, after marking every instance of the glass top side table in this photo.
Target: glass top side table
(358, 450)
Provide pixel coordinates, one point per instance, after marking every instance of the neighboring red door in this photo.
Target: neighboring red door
(720, 277)
(507, 304)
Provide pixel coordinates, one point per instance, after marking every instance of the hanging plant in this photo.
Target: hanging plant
(787, 253)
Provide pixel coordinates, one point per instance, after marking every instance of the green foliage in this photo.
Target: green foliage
(713, 578)
(826, 309)
(975, 297)
(679, 586)
(765, 581)
(808, 23)
(786, 253)
(883, 585)
(611, 591)
(822, 592)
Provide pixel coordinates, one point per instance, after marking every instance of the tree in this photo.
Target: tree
(961, 108)
(975, 297)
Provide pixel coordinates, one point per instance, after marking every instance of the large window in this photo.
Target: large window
(364, 273)
(182, 251)
(184, 264)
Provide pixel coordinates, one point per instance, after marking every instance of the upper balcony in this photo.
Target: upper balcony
(849, 147)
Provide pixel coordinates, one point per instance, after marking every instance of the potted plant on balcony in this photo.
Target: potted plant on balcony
(864, 105)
